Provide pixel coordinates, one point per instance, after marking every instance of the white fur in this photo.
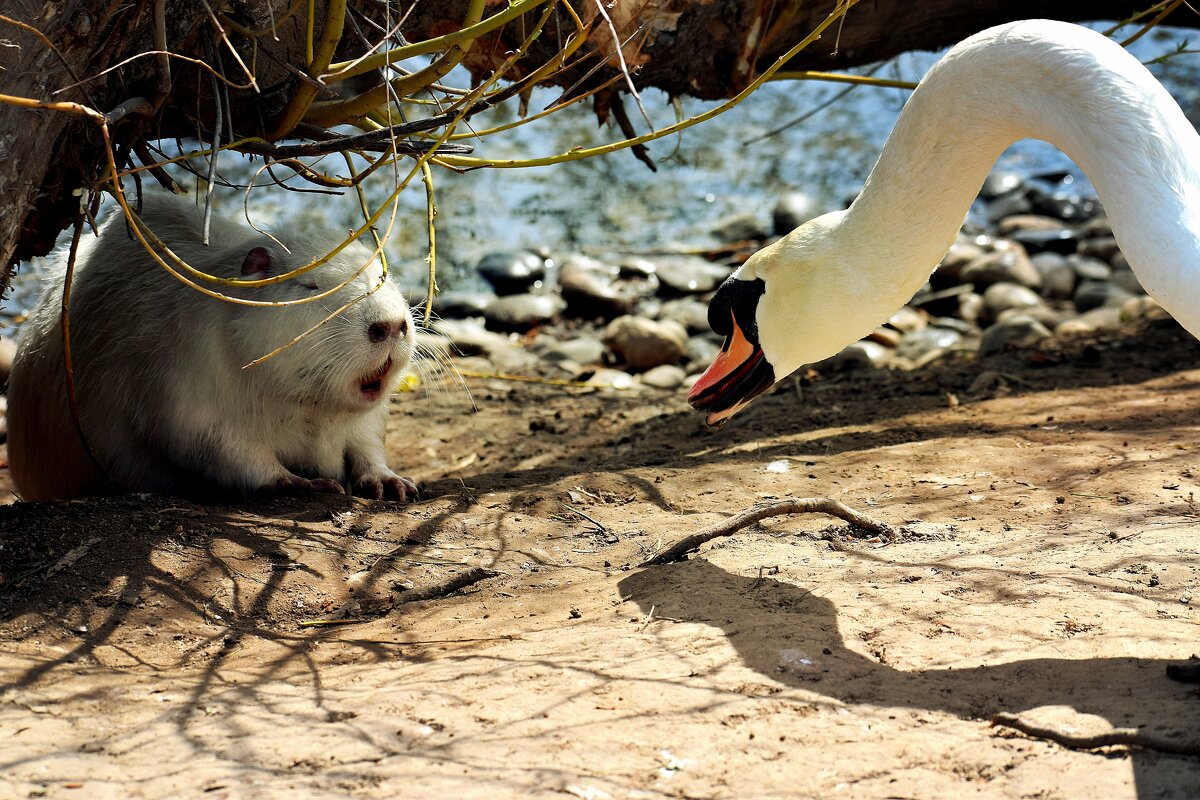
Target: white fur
(832, 280)
(162, 396)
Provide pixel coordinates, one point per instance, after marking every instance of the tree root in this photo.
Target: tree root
(447, 587)
(804, 505)
(1121, 737)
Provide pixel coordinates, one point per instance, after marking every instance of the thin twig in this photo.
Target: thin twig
(804, 505)
(449, 586)
(1120, 737)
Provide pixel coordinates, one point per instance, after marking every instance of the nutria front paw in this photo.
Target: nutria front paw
(385, 485)
(294, 484)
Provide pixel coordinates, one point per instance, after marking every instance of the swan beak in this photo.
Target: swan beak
(738, 374)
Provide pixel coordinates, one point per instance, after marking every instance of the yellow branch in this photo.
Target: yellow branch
(320, 56)
(840, 77)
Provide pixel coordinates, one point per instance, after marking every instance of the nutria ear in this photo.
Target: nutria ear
(258, 262)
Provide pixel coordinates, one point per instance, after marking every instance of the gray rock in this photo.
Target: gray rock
(857, 356)
(1125, 279)
(512, 273)
(689, 274)
(468, 338)
(739, 228)
(461, 305)
(691, 314)
(1065, 204)
(666, 376)
(642, 343)
(1094, 294)
(1006, 205)
(1008, 262)
(1043, 314)
(961, 326)
(1102, 248)
(1058, 279)
(1001, 182)
(612, 379)
(1088, 268)
(793, 210)
(701, 350)
(1002, 296)
(970, 307)
(1096, 228)
(583, 350)
(522, 312)
(888, 337)
(594, 289)
(1062, 241)
(916, 345)
(1015, 332)
(957, 257)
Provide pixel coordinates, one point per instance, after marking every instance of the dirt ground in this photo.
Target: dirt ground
(315, 647)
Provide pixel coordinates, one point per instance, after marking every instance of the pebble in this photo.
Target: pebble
(916, 345)
(583, 350)
(461, 305)
(1002, 296)
(739, 227)
(642, 343)
(1062, 241)
(1088, 268)
(1027, 222)
(1007, 205)
(690, 274)
(594, 289)
(1102, 248)
(8, 351)
(665, 376)
(701, 350)
(861, 354)
(1093, 294)
(1058, 279)
(522, 312)
(1143, 307)
(512, 272)
(1016, 331)
(1008, 263)
(907, 320)
(691, 314)
(1000, 182)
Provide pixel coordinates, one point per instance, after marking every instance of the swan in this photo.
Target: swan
(833, 279)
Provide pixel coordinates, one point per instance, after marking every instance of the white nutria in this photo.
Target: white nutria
(162, 396)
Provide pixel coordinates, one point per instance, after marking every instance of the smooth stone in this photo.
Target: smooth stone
(701, 351)
(1058, 279)
(666, 376)
(636, 267)
(917, 344)
(1002, 296)
(642, 343)
(584, 350)
(740, 227)
(691, 314)
(522, 312)
(1062, 241)
(612, 379)
(970, 307)
(961, 326)
(594, 289)
(856, 356)
(1015, 332)
(8, 351)
(689, 274)
(1143, 308)
(907, 320)
(469, 338)
(461, 305)
(1096, 228)
(1102, 248)
(794, 209)
(1007, 205)
(1008, 263)
(1027, 222)
(960, 254)
(1043, 314)
(1094, 294)
(1001, 182)
(1098, 319)
(888, 337)
(1088, 269)
(1119, 262)
(512, 272)
(1125, 279)
(1064, 204)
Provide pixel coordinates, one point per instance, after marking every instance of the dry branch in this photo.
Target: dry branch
(804, 505)
(1120, 737)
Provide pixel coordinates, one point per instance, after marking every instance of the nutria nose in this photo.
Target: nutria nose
(382, 331)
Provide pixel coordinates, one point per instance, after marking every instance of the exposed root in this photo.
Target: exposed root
(1121, 737)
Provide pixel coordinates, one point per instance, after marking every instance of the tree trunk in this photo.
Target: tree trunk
(709, 49)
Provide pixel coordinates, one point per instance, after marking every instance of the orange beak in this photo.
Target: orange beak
(738, 374)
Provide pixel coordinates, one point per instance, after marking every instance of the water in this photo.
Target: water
(614, 203)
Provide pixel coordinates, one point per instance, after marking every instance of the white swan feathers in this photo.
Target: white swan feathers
(833, 279)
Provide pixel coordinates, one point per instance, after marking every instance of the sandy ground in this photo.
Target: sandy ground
(153, 647)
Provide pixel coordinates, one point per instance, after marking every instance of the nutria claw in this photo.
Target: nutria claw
(385, 486)
(294, 484)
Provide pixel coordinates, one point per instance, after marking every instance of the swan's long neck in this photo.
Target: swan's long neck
(1043, 80)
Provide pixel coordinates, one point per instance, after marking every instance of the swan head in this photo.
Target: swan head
(796, 301)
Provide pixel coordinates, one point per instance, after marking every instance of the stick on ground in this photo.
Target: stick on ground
(803, 505)
(1121, 737)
